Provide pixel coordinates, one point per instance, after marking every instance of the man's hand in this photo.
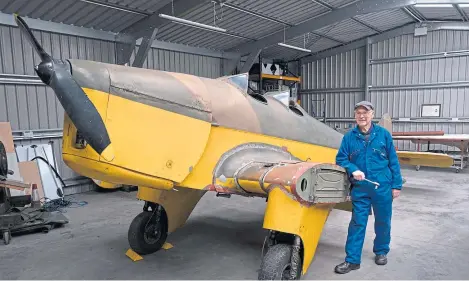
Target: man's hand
(358, 175)
(395, 193)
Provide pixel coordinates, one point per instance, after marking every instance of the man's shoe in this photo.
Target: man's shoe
(345, 267)
(381, 259)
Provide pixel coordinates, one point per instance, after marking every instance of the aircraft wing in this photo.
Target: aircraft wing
(460, 141)
(416, 158)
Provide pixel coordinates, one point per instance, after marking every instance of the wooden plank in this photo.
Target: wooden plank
(30, 173)
(6, 137)
(15, 185)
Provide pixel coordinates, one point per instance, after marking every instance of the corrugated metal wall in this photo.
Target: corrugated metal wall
(28, 105)
(32, 106)
(401, 80)
(173, 61)
(335, 82)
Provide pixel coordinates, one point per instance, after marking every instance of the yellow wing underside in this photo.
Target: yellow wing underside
(428, 159)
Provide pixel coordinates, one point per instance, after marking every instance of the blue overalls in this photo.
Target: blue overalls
(376, 157)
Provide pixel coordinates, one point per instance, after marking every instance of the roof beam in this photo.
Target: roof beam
(402, 30)
(328, 37)
(146, 25)
(461, 12)
(327, 6)
(367, 25)
(358, 8)
(225, 4)
(116, 7)
(416, 12)
(65, 29)
(410, 14)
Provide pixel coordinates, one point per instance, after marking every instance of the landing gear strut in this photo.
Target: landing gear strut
(149, 229)
(283, 259)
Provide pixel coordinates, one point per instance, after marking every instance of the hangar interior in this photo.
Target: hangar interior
(407, 57)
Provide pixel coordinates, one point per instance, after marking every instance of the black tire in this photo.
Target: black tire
(144, 242)
(276, 264)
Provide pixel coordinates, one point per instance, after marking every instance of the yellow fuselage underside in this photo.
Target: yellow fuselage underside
(158, 150)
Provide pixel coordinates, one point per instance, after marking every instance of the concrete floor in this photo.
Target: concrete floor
(223, 239)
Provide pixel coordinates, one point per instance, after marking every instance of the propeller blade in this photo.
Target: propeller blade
(29, 34)
(57, 74)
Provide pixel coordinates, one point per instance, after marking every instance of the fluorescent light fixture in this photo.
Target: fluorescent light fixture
(216, 31)
(211, 27)
(464, 5)
(294, 47)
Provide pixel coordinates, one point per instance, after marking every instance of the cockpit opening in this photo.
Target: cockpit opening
(259, 98)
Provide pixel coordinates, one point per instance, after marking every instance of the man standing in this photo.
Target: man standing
(367, 153)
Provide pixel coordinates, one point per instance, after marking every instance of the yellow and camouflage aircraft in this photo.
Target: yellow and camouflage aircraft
(179, 136)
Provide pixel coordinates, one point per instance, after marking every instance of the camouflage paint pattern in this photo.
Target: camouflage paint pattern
(213, 100)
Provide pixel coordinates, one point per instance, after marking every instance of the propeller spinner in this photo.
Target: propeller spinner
(57, 74)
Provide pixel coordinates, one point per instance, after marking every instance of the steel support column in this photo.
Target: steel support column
(367, 70)
(250, 61)
(144, 48)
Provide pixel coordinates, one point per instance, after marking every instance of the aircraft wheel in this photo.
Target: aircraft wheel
(148, 231)
(276, 264)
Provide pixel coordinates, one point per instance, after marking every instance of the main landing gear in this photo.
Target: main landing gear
(283, 259)
(282, 252)
(149, 229)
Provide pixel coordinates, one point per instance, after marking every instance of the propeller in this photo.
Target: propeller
(57, 74)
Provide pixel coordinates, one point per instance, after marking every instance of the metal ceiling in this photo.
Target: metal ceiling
(246, 20)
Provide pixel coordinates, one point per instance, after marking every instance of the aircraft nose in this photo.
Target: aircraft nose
(57, 74)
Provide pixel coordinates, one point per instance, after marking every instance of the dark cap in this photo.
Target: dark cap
(366, 104)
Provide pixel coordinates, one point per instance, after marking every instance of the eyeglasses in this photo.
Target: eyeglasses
(360, 113)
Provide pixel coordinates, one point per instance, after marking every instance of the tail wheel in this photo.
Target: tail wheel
(148, 231)
(277, 265)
